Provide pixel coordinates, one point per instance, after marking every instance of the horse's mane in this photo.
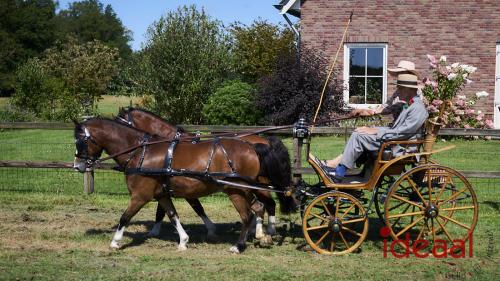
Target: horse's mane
(112, 121)
(127, 110)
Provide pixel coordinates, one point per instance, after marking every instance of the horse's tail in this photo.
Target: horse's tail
(275, 165)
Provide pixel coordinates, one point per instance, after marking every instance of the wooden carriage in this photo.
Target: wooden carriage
(417, 200)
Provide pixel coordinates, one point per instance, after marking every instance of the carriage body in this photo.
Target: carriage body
(412, 195)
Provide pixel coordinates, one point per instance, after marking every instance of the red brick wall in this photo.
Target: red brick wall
(466, 31)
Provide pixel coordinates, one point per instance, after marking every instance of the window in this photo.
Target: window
(365, 74)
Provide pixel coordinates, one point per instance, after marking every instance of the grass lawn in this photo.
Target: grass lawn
(51, 231)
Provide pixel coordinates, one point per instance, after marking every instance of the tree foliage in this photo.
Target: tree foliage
(68, 80)
(256, 48)
(293, 90)
(90, 20)
(26, 30)
(232, 104)
(185, 59)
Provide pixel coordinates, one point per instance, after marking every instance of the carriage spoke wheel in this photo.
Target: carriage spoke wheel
(335, 223)
(381, 194)
(433, 204)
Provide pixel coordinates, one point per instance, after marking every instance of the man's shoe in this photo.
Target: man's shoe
(331, 174)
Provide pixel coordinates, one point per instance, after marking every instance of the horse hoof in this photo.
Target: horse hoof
(271, 231)
(181, 248)
(266, 240)
(114, 245)
(234, 250)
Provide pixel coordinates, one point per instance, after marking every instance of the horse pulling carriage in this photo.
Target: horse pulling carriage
(418, 200)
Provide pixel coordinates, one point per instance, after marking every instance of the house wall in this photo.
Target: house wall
(463, 30)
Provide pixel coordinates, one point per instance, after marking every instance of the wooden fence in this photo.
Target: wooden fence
(298, 170)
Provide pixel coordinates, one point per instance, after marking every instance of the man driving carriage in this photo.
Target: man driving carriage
(411, 115)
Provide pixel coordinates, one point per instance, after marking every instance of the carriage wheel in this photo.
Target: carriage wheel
(335, 223)
(381, 195)
(431, 203)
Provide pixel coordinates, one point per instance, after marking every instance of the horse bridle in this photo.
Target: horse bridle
(82, 148)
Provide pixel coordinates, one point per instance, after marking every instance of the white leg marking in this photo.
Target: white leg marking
(117, 237)
(234, 250)
(259, 233)
(183, 237)
(155, 231)
(271, 225)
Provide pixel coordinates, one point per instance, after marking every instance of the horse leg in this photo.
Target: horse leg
(241, 203)
(258, 208)
(168, 206)
(270, 206)
(198, 208)
(160, 215)
(134, 206)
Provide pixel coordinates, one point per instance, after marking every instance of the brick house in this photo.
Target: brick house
(383, 32)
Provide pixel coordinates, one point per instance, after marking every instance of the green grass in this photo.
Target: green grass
(3, 103)
(50, 230)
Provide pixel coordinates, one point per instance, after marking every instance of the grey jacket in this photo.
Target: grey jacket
(408, 125)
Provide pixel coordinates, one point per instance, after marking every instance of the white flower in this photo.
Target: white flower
(452, 76)
(442, 58)
(448, 67)
(479, 112)
(464, 75)
(482, 94)
(461, 97)
(468, 68)
(455, 65)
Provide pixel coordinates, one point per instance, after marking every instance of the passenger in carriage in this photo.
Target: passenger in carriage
(407, 126)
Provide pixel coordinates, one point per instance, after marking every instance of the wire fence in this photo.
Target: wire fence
(58, 145)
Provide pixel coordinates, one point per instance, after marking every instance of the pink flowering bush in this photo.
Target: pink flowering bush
(446, 83)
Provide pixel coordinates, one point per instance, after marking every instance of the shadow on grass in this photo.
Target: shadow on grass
(287, 231)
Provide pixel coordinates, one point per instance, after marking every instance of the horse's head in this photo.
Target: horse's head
(87, 149)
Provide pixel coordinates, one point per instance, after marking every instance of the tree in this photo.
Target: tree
(256, 48)
(293, 90)
(26, 30)
(232, 104)
(67, 81)
(185, 59)
(86, 69)
(89, 20)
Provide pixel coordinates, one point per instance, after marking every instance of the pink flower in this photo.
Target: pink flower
(459, 112)
(466, 126)
(458, 119)
(432, 60)
(470, 112)
(437, 102)
(479, 118)
(460, 102)
(489, 124)
(434, 85)
(432, 109)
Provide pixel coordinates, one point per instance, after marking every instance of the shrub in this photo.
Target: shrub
(293, 90)
(231, 104)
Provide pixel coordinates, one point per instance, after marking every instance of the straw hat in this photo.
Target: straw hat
(408, 81)
(403, 66)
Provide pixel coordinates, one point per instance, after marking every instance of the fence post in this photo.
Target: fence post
(297, 159)
(88, 181)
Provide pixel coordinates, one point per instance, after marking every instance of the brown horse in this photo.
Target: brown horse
(126, 145)
(153, 124)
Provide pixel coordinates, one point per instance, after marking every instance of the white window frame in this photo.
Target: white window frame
(347, 46)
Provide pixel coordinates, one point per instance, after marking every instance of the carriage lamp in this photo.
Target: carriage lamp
(301, 129)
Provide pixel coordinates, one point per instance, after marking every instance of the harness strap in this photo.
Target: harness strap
(229, 162)
(168, 164)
